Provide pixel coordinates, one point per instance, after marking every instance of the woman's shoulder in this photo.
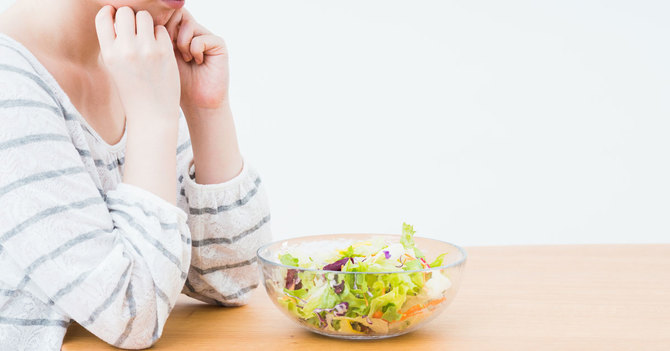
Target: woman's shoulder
(27, 101)
(14, 56)
(21, 74)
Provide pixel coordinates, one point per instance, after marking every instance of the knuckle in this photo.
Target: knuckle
(148, 52)
(127, 54)
(183, 44)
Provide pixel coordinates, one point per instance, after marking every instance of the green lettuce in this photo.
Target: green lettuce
(407, 240)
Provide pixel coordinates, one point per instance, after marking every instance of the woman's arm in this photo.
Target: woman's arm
(117, 264)
(202, 58)
(216, 154)
(228, 222)
(141, 62)
(229, 214)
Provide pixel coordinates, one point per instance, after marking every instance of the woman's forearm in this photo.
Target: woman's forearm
(150, 158)
(140, 59)
(216, 153)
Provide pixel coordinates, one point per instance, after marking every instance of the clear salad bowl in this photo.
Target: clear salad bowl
(361, 286)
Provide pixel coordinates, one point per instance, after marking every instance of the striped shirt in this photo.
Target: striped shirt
(76, 243)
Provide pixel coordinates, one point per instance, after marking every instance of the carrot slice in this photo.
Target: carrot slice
(417, 309)
(435, 302)
(378, 314)
(414, 309)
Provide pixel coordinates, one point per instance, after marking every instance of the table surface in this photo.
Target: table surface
(564, 297)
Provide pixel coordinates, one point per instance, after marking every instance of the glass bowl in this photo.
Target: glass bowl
(348, 310)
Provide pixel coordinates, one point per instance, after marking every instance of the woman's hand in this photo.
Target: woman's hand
(141, 62)
(202, 59)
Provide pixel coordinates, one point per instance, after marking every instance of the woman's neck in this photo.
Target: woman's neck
(64, 28)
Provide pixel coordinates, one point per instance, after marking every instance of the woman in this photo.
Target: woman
(112, 199)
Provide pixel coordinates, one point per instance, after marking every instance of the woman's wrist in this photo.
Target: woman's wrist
(150, 159)
(216, 153)
(221, 109)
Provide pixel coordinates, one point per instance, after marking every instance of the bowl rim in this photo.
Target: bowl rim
(461, 261)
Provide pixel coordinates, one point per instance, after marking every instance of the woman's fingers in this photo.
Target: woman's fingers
(104, 26)
(163, 38)
(145, 25)
(172, 25)
(186, 32)
(207, 44)
(125, 22)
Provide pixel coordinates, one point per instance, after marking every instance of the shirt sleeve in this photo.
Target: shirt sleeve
(114, 263)
(228, 223)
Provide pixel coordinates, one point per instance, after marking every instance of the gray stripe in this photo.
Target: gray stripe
(163, 297)
(112, 165)
(29, 60)
(183, 146)
(113, 201)
(39, 177)
(164, 226)
(240, 292)
(108, 302)
(10, 293)
(180, 179)
(154, 334)
(66, 246)
(182, 192)
(49, 212)
(185, 239)
(85, 153)
(39, 81)
(227, 266)
(223, 208)
(133, 312)
(35, 138)
(189, 286)
(32, 322)
(23, 282)
(15, 293)
(168, 226)
(210, 241)
(157, 244)
(29, 103)
(66, 290)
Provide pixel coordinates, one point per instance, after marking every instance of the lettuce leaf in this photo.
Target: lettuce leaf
(289, 260)
(438, 261)
(407, 240)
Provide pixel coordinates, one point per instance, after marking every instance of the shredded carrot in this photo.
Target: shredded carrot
(405, 316)
(410, 257)
(435, 302)
(366, 299)
(378, 314)
(414, 309)
(417, 309)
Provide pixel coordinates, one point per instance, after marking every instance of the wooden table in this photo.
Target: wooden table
(587, 297)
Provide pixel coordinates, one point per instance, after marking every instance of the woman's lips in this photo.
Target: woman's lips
(175, 4)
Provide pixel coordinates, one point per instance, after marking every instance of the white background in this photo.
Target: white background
(480, 122)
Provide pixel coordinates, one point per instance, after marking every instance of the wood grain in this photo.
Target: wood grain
(586, 297)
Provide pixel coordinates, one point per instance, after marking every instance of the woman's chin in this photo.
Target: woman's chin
(163, 17)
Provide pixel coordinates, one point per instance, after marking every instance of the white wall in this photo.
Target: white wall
(480, 122)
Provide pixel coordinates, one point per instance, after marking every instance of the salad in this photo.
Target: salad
(364, 304)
